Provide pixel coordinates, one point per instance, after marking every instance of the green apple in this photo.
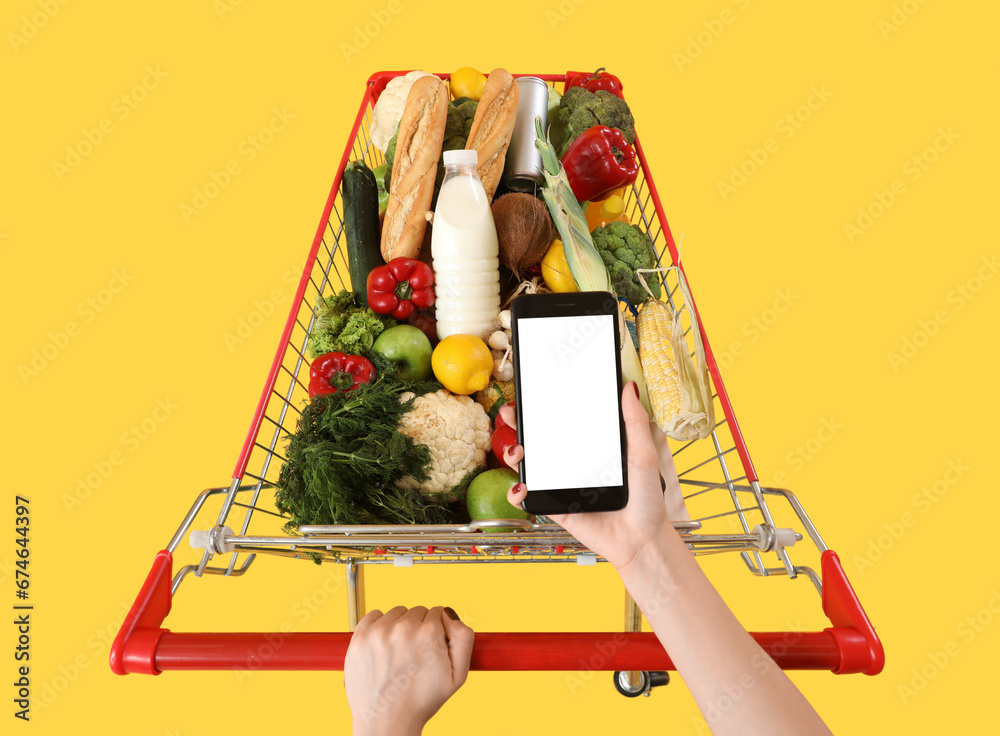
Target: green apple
(487, 497)
(408, 347)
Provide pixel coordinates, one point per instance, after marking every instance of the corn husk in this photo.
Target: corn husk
(680, 390)
(584, 262)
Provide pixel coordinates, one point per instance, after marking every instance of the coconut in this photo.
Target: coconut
(524, 230)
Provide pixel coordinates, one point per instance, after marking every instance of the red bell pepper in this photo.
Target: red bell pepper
(425, 322)
(400, 287)
(598, 162)
(333, 372)
(503, 437)
(598, 80)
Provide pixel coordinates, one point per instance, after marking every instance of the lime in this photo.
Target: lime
(487, 498)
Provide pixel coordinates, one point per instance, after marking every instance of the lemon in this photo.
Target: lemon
(555, 270)
(462, 363)
(467, 82)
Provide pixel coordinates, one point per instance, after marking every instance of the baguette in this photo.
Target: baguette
(418, 148)
(493, 126)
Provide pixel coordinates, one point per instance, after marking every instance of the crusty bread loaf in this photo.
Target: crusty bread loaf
(418, 149)
(493, 126)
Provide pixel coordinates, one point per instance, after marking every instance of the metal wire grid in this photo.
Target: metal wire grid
(725, 506)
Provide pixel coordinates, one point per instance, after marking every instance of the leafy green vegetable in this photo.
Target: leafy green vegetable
(580, 109)
(390, 157)
(625, 248)
(346, 455)
(344, 326)
(383, 194)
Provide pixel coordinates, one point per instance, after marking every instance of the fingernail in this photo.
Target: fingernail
(636, 387)
(521, 488)
(450, 612)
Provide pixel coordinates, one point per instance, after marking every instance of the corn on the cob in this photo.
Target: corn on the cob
(585, 264)
(679, 393)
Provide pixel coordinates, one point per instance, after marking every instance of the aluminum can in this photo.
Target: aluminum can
(522, 171)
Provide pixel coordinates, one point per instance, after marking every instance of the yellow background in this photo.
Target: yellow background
(895, 73)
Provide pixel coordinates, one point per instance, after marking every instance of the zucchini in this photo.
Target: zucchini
(362, 234)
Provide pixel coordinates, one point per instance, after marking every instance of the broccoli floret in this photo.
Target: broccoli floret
(456, 134)
(625, 248)
(580, 109)
(456, 129)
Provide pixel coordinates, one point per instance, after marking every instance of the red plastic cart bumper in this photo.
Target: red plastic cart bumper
(143, 646)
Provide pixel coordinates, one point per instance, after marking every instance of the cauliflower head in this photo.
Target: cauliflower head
(389, 108)
(625, 248)
(456, 430)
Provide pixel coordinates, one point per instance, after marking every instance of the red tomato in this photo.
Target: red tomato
(503, 437)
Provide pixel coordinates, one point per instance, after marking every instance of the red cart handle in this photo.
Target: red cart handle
(491, 651)
(143, 646)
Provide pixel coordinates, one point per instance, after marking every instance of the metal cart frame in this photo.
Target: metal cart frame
(735, 514)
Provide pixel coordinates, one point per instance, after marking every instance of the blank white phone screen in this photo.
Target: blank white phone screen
(569, 400)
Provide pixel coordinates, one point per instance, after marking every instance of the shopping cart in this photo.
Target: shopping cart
(730, 512)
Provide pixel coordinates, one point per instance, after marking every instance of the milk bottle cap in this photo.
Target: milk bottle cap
(461, 157)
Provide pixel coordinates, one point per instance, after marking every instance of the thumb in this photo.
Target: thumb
(642, 457)
(460, 638)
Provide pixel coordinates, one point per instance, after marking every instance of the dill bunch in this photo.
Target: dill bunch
(346, 454)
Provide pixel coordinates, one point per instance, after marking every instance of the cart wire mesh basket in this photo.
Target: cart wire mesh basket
(730, 512)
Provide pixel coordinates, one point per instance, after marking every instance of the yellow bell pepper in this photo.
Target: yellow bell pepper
(555, 269)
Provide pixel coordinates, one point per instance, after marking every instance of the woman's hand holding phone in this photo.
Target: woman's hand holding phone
(618, 536)
(709, 647)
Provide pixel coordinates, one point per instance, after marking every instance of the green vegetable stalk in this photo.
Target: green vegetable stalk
(390, 159)
(381, 174)
(584, 261)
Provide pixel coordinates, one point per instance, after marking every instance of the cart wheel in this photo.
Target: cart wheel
(646, 681)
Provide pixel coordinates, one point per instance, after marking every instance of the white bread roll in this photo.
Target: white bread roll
(493, 126)
(418, 149)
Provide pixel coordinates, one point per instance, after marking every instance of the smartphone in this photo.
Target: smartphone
(568, 388)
